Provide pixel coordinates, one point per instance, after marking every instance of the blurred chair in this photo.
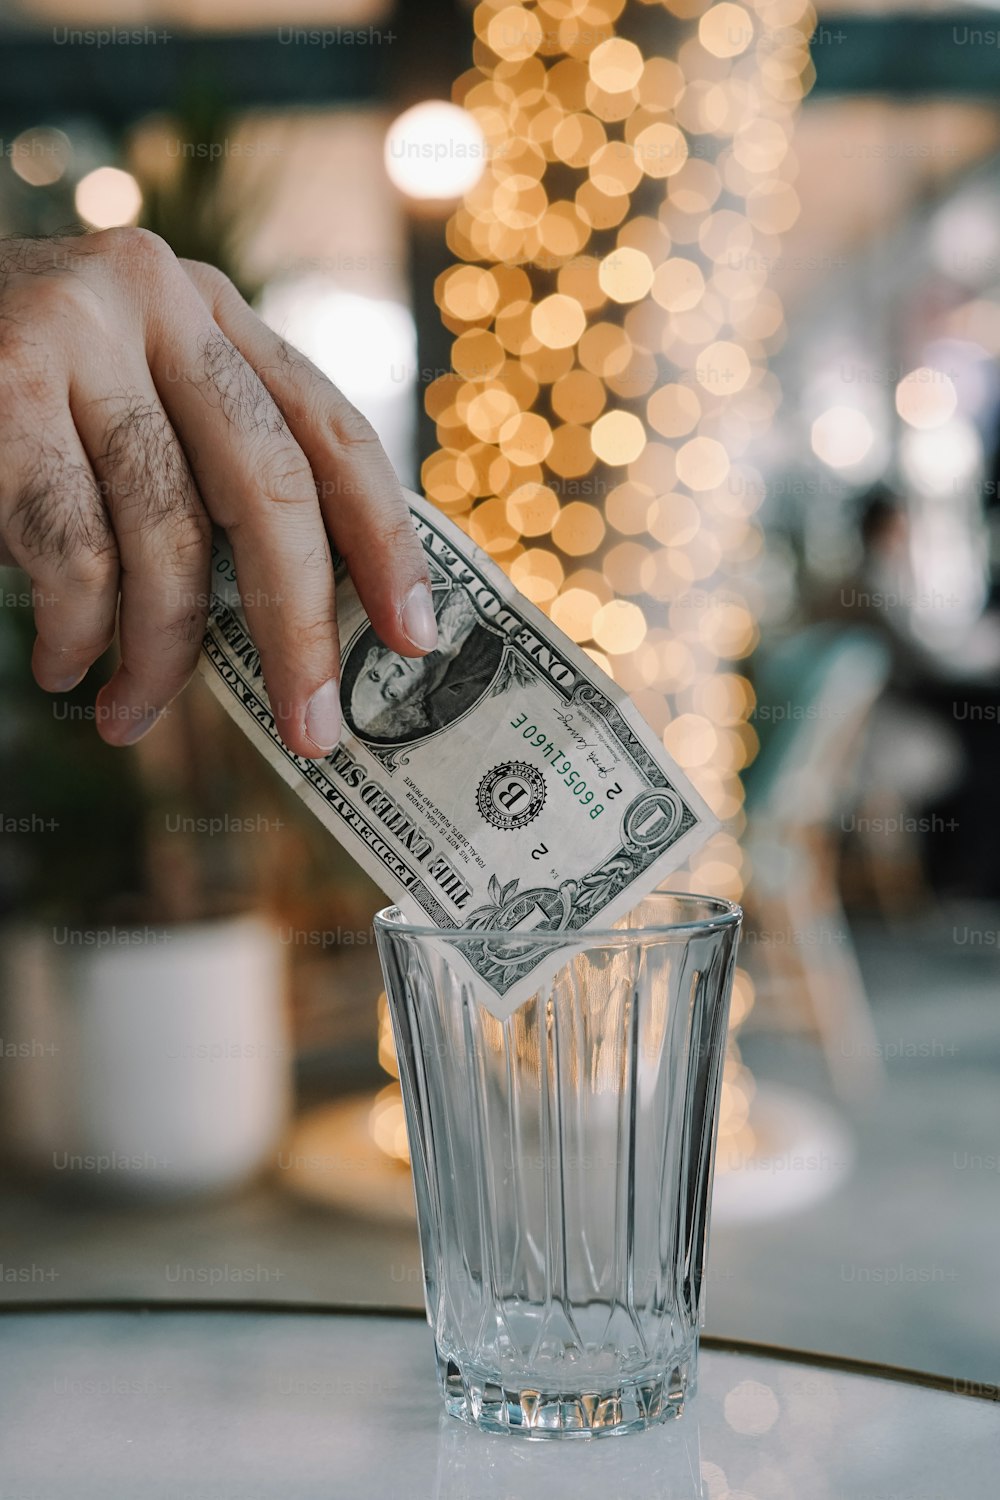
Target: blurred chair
(815, 694)
(910, 761)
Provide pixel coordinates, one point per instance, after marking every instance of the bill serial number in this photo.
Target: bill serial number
(563, 767)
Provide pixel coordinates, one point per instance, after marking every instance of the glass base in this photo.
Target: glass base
(629, 1407)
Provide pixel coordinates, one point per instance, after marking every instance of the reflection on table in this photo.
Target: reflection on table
(243, 1404)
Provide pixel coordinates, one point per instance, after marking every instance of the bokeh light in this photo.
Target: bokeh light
(725, 30)
(41, 155)
(926, 398)
(612, 321)
(558, 321)
(435, 151)
(841, 436)
(618, 437)
(108, 198)
(616, 65)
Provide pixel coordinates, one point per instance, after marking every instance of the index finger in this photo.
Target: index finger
(256, 483)
(362, 501)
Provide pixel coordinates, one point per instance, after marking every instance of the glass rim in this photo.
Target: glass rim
(726, 914)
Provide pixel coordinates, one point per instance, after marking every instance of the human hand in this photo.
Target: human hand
(141, 400)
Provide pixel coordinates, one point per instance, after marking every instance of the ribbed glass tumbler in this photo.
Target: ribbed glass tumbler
(562, 1162)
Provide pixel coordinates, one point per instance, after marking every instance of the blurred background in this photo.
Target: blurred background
(690, 315)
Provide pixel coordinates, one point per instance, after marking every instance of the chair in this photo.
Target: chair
(815, 694)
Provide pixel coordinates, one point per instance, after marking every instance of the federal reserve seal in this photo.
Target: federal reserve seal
(511, 795)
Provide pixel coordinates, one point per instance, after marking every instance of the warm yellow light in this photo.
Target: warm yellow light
(546, 365)
(623, 567)
(41, 155)
(677, 664)
(619, 627)
(599, 209)
(723, 368)
(387, 1123)
(591, 580)
(673, 519)
(578, 397)
(661, 84)
(647, 234)
(926, 398)
(678, 284)
(660, 149)
(727, 629)
(600, 661)
(618, 437)
(615, 170)
(525, 438)
(725, 699)
(673, 410)
(743, 998)
(561, 230)
(468, 292)
(690, 739)
(576, 119)
(490, 529)
(702, 463)
(386, 1048)
(577, 138)
(611, 107)
(572, 454)
(435, 150)
(626, 275)
(513, 325)
(773, 207)
(538, 573)
(726, 30)
(605, 350)
(616, 65)
(478, 355)
(108, 198)
(627, 508)
(514, 33)
(761, 145)
(655, 467)
(488, 413)
(579, 529)
(579, 279)
(532, 509)
(574, 612)
(519, 380)
(519, 207)
(448, 478)
(521, 164)
(558, 321)
(695, 187)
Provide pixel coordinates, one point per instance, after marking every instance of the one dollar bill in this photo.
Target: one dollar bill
(501, 782)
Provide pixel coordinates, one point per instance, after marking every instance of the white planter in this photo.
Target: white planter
(151, 1061)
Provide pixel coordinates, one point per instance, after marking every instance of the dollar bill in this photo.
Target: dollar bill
(501, 782)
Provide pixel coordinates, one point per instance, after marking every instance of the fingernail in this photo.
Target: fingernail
(141, 727)
(323, 718)
(418, 619)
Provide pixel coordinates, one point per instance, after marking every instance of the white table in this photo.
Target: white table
(251, 1403)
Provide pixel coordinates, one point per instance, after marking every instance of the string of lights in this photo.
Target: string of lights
(613, 321)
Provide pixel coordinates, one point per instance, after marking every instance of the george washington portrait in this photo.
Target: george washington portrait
(392, 699)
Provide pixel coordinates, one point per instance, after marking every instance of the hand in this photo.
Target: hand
(141, 400)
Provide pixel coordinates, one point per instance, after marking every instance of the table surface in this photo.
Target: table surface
(224, 1403)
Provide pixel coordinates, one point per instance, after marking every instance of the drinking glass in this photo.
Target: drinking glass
(562, 1160)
